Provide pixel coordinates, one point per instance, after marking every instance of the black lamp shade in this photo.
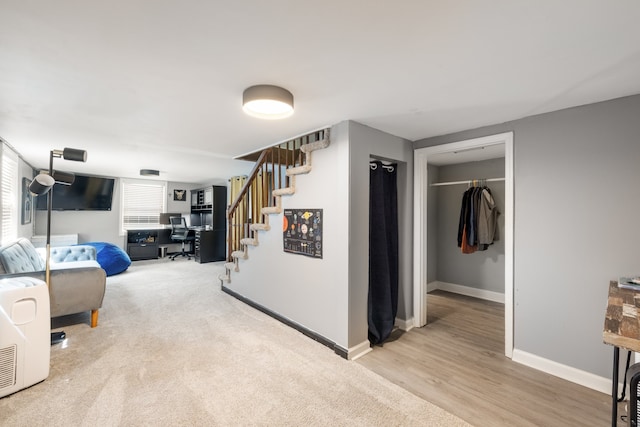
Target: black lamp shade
(74, 155)
(41, 184)
(64, 178)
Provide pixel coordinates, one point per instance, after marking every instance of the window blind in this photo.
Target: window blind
(142, 204)
(9, 184)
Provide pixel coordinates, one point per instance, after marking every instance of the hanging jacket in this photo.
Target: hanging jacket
(487, 219)
(461, 221)
(472, 219)
(467, 225)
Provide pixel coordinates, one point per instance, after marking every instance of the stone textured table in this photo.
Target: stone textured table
(622, 322)
(621, 329)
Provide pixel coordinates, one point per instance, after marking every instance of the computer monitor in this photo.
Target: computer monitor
(195, 220)
(165, 218)
(178, 221)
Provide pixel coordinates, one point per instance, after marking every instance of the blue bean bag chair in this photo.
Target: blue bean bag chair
(111, 258)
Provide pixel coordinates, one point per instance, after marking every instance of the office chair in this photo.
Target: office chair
(180, 233)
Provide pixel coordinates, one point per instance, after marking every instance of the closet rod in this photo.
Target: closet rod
(470, 181)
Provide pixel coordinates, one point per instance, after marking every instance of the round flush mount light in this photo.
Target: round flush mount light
(267, 102)
(149, 172)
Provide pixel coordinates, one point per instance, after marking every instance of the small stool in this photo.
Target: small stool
(163, 251)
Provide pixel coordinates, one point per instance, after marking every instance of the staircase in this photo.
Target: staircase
(273, 176)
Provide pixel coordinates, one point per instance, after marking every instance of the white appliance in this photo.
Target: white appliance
(56, 240)
(25, 333)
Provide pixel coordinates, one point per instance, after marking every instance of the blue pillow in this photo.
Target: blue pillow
(111, 258)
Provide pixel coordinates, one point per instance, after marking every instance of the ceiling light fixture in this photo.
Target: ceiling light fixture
(149, 172)
(267, 102)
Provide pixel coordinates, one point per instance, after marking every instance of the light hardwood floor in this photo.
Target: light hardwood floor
(457, 362)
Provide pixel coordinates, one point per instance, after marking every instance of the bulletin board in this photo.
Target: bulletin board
(302, 232)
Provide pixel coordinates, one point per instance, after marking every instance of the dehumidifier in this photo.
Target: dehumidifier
(25, 333)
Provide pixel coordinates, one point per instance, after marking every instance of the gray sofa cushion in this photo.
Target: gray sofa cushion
(20, 257)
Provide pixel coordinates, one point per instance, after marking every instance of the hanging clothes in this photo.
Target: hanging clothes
(383, 251)
(487, 219)
(466, 226)
(477, 227)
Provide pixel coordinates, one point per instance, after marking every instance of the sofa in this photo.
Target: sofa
(78, 282)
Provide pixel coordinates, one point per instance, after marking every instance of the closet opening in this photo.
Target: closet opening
(390, 265)
(382, 301)
(450, 252)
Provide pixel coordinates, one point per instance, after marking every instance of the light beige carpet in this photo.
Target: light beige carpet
(171, 349)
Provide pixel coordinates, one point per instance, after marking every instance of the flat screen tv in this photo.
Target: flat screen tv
(87, 193)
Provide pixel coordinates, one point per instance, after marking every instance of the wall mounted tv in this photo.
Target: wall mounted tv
(87, 193)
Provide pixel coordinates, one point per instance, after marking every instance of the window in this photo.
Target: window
(9, 186)
(142, 204)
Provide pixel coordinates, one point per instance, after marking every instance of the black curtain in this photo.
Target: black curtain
(383, 251)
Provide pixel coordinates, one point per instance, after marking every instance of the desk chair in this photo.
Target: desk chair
(180, 233)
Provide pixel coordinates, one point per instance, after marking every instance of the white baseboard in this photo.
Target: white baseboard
(432, 286)
(565, 372)
(405, 325)
(365, 347)
(466, 290)
(359, 350)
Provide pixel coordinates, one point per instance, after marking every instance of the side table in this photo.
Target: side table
(621, 330)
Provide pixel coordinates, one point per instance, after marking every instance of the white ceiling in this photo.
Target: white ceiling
(158, 84)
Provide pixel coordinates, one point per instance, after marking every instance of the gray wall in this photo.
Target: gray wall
(576, 179)
(104, 226)
(91, 226)
(482, 269)
(364, 143)
(329, 296)
(313, 293)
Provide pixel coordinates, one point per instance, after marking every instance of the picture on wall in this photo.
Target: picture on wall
(180, 195)
(302, 232)
(27, 202)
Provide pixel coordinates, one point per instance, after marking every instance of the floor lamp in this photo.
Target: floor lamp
(41, 185)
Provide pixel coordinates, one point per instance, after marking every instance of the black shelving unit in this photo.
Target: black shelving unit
(209, 213)
(209, 246)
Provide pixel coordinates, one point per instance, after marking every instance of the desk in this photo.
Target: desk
(143, 244)
(621, 329)
(206, 245)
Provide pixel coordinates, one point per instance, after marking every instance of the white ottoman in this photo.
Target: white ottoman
(25, 333)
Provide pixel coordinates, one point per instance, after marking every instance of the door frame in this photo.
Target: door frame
(420, 190)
